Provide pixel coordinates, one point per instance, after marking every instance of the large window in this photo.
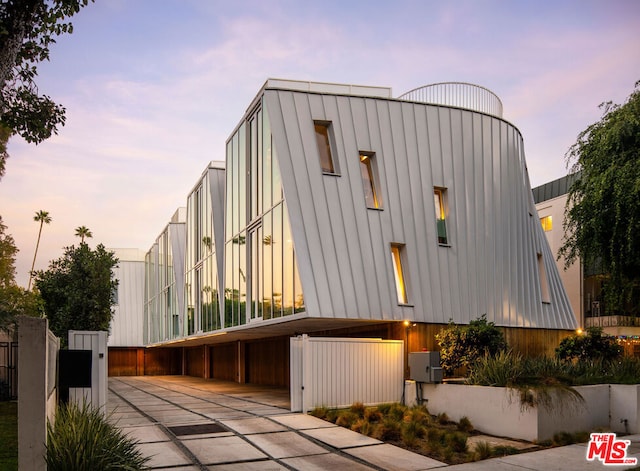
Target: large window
(323, 139)
(201, 284)
(440, 208)
(261, 276)
(369, 180)
(398, 272)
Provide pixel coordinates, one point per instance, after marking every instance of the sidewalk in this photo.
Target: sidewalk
(192, 424)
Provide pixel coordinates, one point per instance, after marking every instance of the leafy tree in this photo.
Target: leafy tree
(43, 218)
(14, 300)
(602, 217)
(589, 345)
(77, 290)
(27, 29)
(82, 232)
(463, 345)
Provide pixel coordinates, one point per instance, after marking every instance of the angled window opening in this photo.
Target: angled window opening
(369, 174)
(439, 195)
(323, 140)
(544, 281)
(397, 256)
(547, 223)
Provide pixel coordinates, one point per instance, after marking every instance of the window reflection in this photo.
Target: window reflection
(398, 273)
(260, 271)
(324, 146)
(369, 181)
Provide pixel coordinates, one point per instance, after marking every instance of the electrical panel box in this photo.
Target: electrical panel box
(424, 367)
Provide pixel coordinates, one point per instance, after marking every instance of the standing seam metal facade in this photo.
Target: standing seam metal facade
(490, 264)
(343, 248)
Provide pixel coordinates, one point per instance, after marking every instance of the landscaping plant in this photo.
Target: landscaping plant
(81, 439)
(463, 345)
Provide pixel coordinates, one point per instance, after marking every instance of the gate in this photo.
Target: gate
(336, 372)
(8, 371)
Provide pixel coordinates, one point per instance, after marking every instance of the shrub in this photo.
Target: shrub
(346, 419)
(319, 412)
(388, 430)
(363, 426)
(592, 345)
(483, 450)
(373, 415)
(465, 425)
(412, 431)
(397, 411)
(83, 440)
(463, 345)
(504, 450)
(357, 408)
(443, 418)
(457, 441)
(418, 414)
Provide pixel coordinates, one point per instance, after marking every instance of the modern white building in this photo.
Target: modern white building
(342, 210)
(127, 322)
(583, 283)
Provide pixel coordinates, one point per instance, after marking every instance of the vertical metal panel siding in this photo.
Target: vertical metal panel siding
(97, 343)
(343, 247)
(336, 372)
(126, 329)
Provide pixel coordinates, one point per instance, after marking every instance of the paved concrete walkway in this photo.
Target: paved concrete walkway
(190, 424)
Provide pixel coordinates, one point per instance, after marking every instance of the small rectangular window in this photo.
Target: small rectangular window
(441, 225)
(324, 146)
(369, 180)
(547, 223)
(544, 282)
(398, 272)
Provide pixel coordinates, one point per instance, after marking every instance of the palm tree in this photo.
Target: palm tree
(83, 232)
(43, 218)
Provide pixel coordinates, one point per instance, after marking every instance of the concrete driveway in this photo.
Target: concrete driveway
(185, 423)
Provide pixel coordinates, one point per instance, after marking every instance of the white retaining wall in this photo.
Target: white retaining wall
(498, 411)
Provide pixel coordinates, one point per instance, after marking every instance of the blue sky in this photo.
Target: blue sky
(154, 87)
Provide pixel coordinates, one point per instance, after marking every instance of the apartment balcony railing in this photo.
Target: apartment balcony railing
(458, 94)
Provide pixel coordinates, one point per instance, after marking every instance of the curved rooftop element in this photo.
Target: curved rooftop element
(458, 94)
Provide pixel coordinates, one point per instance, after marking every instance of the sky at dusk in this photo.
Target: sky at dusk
(153, 88)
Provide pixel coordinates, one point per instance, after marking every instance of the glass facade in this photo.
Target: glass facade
(201, 277)
(261, 274)
(162, 316)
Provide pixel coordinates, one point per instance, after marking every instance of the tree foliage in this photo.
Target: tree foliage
(27, 29)
(602, 217)
(77, 290)
(463, 345)
(14, 300)
(588, 346)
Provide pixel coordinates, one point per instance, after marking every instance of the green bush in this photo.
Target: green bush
(592, 344)
(457, 441)
(463, 345)
(83, 440)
